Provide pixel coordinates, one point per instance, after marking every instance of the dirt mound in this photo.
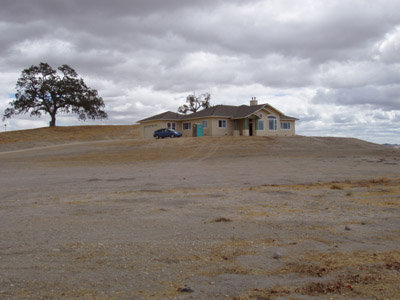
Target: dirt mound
(32, 138)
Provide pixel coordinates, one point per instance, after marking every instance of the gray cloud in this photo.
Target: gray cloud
(384, 97)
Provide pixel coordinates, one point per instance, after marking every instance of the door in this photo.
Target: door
(194, 130)
(149, 131)
(199, 130)
(250, 127)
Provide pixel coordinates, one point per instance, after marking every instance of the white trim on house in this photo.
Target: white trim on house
(286, 125)
(222, 124)
(272, 123)
(260, 121)
(171, 125)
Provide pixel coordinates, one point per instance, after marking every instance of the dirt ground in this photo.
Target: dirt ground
(115, 217)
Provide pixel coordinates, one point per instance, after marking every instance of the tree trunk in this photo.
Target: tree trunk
(52, 123)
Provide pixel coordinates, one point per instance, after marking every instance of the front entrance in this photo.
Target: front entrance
(250, 127)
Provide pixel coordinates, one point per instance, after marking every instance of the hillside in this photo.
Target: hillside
(118, 144)
(94, 212)
(47, 136)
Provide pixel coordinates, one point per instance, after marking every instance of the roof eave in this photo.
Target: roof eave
(205, 117)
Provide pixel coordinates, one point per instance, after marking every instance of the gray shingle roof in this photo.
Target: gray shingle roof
(244, 111)
(168, 115)
(288, 118)
(215, 111)
(228, 111)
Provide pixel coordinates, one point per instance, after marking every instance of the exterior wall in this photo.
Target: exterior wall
(288, 132)
(155, 125)
(216, 131)
(242, 130)
(149, 126)
(279, 132)
(189, 132)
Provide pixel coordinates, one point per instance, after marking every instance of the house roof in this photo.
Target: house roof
(288, 118)
(215, 111)
(168, 115)
(227, 111)
(244, 111)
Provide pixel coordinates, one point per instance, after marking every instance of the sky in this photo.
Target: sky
(333, 64)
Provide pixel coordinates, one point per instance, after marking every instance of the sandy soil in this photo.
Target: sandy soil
(207, 218)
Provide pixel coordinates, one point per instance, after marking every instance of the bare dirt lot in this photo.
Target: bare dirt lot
(104, 215)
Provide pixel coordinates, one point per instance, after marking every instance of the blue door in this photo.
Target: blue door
(199, 129)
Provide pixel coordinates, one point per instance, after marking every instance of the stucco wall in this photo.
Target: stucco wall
(217, 131)
(187, 132)
(279, 131)
(206, 131)
(155, 125)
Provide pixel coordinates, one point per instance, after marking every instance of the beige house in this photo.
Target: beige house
(254, 120)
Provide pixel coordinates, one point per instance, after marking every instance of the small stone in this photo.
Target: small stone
(185, 289)
(347, 228)
(276, 255)
(363, 223)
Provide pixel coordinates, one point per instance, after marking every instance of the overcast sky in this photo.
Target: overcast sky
(334, 64)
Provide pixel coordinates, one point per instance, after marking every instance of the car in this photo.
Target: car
(165, 132)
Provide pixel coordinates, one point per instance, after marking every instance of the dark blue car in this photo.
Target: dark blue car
(165, 132)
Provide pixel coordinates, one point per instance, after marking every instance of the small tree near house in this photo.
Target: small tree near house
(195, 104)
(41, 89)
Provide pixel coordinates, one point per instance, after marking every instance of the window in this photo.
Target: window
(272, 125)
(222, 123)
(205, 123)
(285, 125)
(260, 124)
(187, 126)
(171, 125)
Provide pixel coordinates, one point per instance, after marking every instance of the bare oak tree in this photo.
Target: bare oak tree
(195, 104)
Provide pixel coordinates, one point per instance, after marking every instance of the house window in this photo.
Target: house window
(187, 126)
(285, 125)
(272, 124)
(171, 125)
(260, 124)
(222, 123)
(205, 123)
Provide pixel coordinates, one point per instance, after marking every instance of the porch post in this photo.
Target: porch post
(256, 118)
(246, 127)
(236, 131)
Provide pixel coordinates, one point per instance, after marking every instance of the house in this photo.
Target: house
(244, 120)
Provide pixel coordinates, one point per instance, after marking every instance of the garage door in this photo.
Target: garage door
(149, 130)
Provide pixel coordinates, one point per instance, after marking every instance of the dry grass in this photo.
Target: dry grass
(156, 239)
(67, 134)
(353, 275)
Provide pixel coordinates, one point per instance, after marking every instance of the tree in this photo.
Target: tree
(40, 89)
(194, 103)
